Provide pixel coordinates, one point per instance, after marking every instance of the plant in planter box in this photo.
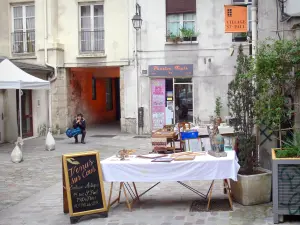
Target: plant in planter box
(173, 38)
(241, 100)
(189, 34)
(275, 80)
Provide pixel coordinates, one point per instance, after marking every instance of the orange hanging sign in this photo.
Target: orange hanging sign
(235, 19)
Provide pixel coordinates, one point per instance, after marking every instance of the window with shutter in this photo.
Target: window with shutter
(181, 20)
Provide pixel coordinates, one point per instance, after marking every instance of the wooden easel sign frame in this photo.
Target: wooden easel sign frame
(83, 188)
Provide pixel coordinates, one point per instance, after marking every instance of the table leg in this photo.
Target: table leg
(126, 198)
(209, 197)
(110, 194)
(135, 190)
(229, 194)
(120, 189)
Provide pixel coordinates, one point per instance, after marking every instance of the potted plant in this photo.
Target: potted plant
(173, 38)
(218, 108)
(189, 34)
(241, 100)
(277, 74)
(239, 37)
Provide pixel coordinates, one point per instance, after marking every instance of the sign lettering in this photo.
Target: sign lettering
(171, 70)
(82, 179)
(235, 19)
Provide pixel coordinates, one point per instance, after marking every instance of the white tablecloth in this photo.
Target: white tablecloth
(204, 167)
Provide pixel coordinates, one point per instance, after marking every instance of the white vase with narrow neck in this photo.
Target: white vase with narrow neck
(50, 142)
(17, 155)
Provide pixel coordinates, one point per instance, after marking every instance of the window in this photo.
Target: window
(178, 21)
(94, 87)
(109, 94)
(91, 28)
(23, 27)
(181, 20)
(229, 12)
(239, 37)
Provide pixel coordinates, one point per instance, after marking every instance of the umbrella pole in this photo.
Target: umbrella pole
(20, 111)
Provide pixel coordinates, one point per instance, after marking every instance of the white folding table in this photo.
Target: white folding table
(134, 169)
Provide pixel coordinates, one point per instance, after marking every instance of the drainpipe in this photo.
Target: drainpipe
(254, 44)
(254, 26)
(50, 142)
(46, 60)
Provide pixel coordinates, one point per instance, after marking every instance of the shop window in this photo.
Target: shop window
(94, 92)
(109, 94)
(183, 80)
(181, 20)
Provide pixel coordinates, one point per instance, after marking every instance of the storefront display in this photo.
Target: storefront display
(171, 94)
(158, 103)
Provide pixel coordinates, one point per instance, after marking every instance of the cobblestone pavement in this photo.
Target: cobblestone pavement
(31, 192)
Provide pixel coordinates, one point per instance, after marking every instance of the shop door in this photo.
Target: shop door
(26, 111)
(1, 117)
(183, 102)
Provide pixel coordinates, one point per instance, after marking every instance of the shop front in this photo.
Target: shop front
(171, 94)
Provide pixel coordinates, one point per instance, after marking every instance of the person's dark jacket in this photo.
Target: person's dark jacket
(82, 124)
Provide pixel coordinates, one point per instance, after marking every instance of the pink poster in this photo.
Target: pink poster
(158, 93)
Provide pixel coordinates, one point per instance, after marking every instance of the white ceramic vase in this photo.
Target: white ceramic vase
(16, 155)
(50, 142)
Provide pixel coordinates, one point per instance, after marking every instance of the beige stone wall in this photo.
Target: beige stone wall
(60, 101)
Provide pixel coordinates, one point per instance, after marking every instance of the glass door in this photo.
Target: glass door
(183, 102)
(26, 111)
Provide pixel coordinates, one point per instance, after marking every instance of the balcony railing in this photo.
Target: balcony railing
(91, 41)
(23, 42)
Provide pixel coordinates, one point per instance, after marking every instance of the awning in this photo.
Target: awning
(12, 77)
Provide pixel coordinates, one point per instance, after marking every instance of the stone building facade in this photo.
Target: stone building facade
(101, 64)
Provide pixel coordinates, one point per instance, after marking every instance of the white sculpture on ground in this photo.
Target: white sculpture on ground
(16, 155)
(50, 142)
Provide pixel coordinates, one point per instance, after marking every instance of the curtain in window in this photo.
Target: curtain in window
(98, 28)
(189, 21)
(92, 28)
(180, 6)
(30, 21)
(173, 24)
(18, 18)
(85, 28)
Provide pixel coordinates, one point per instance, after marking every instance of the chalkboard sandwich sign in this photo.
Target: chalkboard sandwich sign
(83, 189)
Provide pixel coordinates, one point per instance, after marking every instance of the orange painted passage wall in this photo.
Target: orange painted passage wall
(81, 91)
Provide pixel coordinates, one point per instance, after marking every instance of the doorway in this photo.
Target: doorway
(1, 116)
(26, 113)
(183, 100)
(117, 95)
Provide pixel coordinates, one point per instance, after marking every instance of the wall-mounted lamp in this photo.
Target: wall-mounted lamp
(137, 19)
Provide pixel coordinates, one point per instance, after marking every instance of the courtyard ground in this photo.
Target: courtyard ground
(31, 192)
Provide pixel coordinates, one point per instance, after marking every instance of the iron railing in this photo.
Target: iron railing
(23, 42)
(91, 41)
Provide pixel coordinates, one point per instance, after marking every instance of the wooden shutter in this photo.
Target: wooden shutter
(180, 6)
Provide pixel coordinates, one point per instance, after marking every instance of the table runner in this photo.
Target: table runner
(204, 167)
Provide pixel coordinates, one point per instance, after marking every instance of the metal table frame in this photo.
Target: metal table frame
(136, 197)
